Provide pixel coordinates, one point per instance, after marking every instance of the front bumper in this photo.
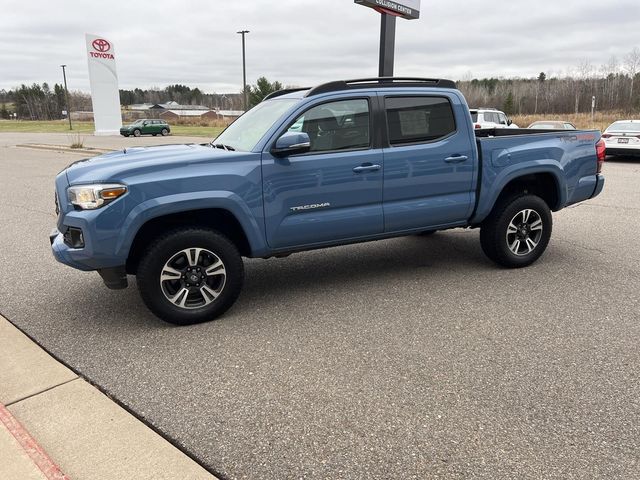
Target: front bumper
(65, 254)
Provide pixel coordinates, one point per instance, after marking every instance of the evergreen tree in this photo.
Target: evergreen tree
(261, 89)
(508, 106)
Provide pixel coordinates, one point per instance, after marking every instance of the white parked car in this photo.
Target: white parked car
(623, 138)
(490, 118)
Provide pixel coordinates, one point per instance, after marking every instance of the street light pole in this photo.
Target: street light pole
(66, 95)
(244, 71)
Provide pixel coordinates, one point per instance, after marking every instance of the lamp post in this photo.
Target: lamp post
(244, 71)
(66, 95)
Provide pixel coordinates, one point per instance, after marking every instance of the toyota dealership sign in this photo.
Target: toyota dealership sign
(101, 49)
(409, 9)
(103, 79)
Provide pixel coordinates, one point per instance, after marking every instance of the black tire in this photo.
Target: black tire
(137, 133)
(164, 132)
(498, 238)
(156, 293)
(426, 233)
(126, 134)
(154, 134)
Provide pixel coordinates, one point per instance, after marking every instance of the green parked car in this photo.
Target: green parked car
(146, 127)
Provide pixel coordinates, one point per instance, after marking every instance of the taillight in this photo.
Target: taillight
(606, 135)
(601, 154)
(477, 125)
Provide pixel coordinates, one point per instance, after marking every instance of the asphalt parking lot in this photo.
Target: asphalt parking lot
(406, 358)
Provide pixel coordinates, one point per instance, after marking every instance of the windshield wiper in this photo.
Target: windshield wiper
(223, 146)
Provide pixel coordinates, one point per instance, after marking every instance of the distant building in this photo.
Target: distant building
(229, 114)
(139, 107)
(178, 114)
(156, 110)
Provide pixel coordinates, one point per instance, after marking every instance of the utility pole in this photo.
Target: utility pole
(66, 95)
(244, 71)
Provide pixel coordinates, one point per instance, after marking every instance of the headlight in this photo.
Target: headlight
(90, 197)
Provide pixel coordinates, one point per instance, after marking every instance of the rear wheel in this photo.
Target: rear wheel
(517, 232)
(137, 133)
(190, 276)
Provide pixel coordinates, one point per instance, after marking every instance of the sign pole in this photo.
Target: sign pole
(387, 44)
(389, 10)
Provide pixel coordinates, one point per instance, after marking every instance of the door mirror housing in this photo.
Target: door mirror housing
(291, 143)
(509, 122)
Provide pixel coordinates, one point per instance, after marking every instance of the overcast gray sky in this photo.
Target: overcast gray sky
(303, 42)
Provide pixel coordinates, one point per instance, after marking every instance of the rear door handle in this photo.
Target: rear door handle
(456, 159)
(367, 168)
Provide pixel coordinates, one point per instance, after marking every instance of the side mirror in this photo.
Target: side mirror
(509, 122)
(291, 143)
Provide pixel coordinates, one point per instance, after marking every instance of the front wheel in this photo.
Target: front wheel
(164, 132)
(190, 276)
(517, 232)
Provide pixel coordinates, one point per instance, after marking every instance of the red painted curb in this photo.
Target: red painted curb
(35, 452)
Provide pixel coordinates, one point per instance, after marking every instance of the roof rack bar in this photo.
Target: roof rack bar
(382, 82)
(284, 91)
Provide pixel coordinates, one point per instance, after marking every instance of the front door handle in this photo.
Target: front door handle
(456, 159)
(367, 168)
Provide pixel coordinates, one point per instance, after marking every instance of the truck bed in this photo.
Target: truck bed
(568, 156)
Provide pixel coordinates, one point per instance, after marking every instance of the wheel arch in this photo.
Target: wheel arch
(542, 184)
(547, 184)
(219, 219)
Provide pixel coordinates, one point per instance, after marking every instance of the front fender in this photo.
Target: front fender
(184, 202)
(494, 181)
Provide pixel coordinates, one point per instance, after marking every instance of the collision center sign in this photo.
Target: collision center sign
(409, 9)
(104, 85)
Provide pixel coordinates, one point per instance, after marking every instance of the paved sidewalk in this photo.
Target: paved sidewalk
(54, 425)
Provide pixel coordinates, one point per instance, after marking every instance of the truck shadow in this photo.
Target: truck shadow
(374, 262)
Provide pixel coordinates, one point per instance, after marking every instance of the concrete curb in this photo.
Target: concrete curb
(64, 148)
(56, 422)
(27, 444)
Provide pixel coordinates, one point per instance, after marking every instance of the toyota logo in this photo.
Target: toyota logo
(101, 45)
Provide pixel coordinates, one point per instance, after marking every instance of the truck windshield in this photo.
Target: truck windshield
(245, 133)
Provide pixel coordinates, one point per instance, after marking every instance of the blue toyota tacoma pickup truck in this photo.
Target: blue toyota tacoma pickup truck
(344, 162)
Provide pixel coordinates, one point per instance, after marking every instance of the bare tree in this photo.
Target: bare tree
(631, 66)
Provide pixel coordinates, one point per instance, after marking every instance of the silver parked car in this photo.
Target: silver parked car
(623, 138)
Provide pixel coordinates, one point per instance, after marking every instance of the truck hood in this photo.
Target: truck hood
(122, 164)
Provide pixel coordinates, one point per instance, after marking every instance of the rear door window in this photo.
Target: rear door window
(418, 119)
